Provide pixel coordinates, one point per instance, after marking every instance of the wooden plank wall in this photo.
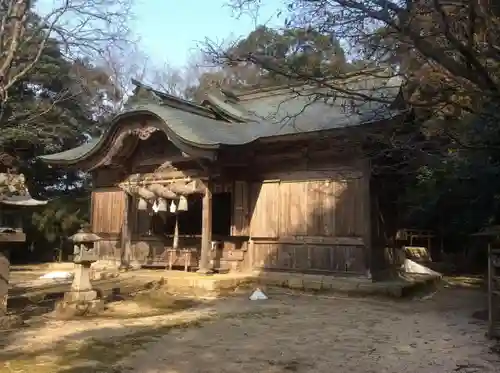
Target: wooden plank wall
(108, 208)
(241, 222)
(309, 225)
(298, 222)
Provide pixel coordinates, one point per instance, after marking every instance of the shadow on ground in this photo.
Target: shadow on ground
(290, 332)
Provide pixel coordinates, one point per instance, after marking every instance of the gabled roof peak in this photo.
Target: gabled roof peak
(163, 98)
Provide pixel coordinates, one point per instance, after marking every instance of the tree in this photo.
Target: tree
(80, 28)
(445, 157)
(59, 220)
(296, 50)
(56, 94)
(452, 49)
(447, 54)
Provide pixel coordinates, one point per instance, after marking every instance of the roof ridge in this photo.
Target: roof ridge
(249, 94)
(177, 102)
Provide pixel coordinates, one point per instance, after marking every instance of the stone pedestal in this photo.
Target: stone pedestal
(81, 300)
(6, 321)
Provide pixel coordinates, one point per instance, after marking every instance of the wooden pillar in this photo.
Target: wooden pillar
(206, 231)
(367, 214)
(125, 261)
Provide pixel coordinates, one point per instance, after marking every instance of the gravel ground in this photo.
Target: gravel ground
(287, 333)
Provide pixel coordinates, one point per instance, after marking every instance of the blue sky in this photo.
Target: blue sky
(170, 30)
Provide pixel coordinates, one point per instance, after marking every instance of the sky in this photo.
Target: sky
(170, 30)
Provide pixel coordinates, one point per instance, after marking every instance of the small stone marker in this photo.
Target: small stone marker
(258, 295)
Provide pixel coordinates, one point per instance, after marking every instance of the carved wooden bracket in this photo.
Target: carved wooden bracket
(144, 133)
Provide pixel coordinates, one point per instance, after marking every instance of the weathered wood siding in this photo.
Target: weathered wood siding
(297, 220)
(310, 221)
(108, 208)
(240, 216)
(266, 201)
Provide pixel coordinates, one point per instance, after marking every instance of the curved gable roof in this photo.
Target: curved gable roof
(249, 118)
(185, 129)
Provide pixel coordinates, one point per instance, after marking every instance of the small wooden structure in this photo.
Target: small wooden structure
(268, 179)
(492, 234)
(411, 237)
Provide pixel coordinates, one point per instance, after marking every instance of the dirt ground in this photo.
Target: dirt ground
(287, 333)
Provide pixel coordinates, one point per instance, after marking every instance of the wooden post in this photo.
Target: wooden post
(367, 214)
(491, 303)
(125, 234)
(206, 231)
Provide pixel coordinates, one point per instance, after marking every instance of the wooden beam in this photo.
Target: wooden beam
(166, 176)
(206, 231)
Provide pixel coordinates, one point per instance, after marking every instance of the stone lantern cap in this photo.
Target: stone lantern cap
(84, 237)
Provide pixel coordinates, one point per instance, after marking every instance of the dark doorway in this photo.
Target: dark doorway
(221, 214)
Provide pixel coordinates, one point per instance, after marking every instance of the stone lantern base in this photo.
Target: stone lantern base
(81, 300)
(79, 303)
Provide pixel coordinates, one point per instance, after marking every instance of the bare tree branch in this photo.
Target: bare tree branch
(83, 28)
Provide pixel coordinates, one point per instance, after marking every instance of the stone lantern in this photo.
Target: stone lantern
(82, 299)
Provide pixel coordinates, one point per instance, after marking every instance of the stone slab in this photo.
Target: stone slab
(68, 310)
(224, 284)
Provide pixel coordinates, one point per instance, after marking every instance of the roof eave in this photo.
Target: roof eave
(200, 149)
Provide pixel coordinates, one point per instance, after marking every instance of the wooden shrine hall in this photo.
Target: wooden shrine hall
(269, 179)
